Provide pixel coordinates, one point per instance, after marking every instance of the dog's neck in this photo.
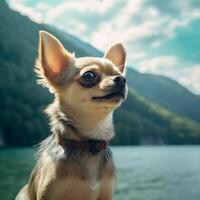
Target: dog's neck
(65, 121)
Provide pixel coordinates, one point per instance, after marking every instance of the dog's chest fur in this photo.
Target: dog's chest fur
(73, 188)
(80, 176)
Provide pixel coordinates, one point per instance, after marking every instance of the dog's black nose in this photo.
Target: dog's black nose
(120, 81)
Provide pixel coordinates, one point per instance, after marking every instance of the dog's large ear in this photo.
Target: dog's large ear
(117, 55)
(53, 58)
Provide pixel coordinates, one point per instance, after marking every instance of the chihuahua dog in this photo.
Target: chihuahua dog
(75, 162)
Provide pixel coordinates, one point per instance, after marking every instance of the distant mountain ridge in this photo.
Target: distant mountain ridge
(167, 93)
(141, 120)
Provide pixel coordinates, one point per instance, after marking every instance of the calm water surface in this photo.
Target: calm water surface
(144, 173)
(158, 173)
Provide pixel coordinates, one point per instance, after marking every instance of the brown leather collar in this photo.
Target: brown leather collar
(93, 146)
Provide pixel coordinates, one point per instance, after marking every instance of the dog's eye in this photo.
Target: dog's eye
(90, 78)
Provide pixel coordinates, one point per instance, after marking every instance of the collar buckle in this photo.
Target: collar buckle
(94, 149)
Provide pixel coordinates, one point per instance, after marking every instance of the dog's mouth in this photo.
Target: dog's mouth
(112, 95)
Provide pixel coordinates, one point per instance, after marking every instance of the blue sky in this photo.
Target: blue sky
(161, 37)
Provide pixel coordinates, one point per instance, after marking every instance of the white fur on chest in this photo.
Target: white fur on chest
(103, 131)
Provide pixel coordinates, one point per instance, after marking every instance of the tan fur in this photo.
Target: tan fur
(58, 174)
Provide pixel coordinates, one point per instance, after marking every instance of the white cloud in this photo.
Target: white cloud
(17, 2)
(87, 6)
(43, 7)
(183, 21)
(137, 56)
(75, 26)
(123, 17)
(105, 35)
(158, 64)
(110, 31)
(121, 26)
(143, 26)
(189, 77)
(36, 13)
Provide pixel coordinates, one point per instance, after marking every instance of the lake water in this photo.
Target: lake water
(144, 173)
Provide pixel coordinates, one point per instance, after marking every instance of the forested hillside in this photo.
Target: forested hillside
(167, 93)
(143, 122)
(139, 121)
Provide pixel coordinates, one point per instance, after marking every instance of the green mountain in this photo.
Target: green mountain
(167, 93)
(22, 122)
(143, 122)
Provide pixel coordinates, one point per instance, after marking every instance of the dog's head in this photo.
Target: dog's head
(85, 84)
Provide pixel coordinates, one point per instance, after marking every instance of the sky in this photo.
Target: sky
(161, 37)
